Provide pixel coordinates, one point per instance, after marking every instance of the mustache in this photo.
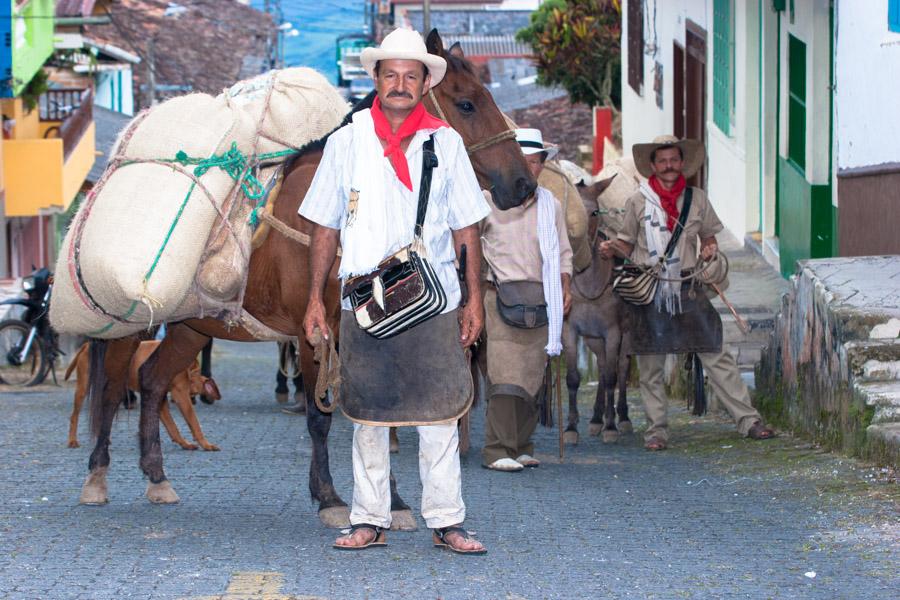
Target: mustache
(400, 95)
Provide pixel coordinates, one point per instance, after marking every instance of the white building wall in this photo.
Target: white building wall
(115, 91)
(733, 172)
(867, 78)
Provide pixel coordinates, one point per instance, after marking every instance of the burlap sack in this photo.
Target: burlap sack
(144, 231)
(302, 106)
(554, 179)
(613, 199)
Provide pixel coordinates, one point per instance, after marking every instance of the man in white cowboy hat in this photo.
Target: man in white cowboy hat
(365, 195)
(529, 270)
(651, 215)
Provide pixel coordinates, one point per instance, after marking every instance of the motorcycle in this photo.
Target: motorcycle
(28, 345)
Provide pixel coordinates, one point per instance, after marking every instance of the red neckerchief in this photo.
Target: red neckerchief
(669, 198)
(416, 120)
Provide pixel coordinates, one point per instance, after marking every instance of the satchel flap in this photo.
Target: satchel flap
(354, 283)
(521, 293)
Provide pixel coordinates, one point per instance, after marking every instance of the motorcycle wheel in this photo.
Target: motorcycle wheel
(31, 371)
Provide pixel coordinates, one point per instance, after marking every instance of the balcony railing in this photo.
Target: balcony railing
(73, 109)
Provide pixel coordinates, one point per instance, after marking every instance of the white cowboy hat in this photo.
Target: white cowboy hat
(532, 142)
(692, 150)
(404, 44)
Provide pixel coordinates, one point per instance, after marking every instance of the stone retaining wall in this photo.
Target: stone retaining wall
(832, 367)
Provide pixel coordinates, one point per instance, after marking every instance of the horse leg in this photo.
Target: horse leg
(573, 380)
(281, 387)
(333, 511)
(608, 387)
(596, 346)
(108, 379)
(206, 368)
(175, 354)
(624, 365)
(402, 518)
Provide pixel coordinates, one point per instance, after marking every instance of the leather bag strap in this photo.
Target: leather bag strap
(682, 219)
(429, 162)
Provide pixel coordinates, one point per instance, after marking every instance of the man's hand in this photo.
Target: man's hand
(611, 248)
(315, 319)
(471, 322)
(567, 293)
(708, 248)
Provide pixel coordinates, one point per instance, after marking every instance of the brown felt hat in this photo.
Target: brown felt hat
(693, 151)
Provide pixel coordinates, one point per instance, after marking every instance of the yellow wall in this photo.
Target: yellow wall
(78, 165)
(28, 125)
(32, 170)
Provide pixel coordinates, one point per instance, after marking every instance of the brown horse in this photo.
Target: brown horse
(278, 292)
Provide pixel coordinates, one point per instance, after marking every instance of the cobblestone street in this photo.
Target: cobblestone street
(716, 516)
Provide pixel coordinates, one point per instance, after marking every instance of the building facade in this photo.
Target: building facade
(777, 91)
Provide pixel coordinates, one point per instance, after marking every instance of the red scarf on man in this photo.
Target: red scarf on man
(416, 120)
(669, 198)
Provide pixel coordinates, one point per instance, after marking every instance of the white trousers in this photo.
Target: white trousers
(442, 503)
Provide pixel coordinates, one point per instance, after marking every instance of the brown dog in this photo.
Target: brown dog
(186, 384)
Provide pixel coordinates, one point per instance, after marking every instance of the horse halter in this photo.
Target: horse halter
(509, 134)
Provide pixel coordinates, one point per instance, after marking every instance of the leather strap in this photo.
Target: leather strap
(682, 219)
(429, 162)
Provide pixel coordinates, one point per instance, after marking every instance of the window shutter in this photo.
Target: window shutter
(797, 102)
(723, 65)
(636, 45)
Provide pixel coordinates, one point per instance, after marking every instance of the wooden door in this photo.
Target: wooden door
(695, 91)
(678, 90)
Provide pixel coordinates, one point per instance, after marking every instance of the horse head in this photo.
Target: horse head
(592, 282)
(464, 102)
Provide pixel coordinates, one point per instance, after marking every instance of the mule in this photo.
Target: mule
(601, 318)
(278, 292)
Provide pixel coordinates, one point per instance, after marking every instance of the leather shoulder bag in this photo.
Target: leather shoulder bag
(521, 304)
(403, 291)
(636, 284)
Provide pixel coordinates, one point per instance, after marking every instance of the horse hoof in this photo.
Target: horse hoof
(595, 428)
(162, 493)
(281, 397)
(570, 438)
(74, 444)
(403, 520)
(395, 447)
(610, 436)
(335, 517)
(625, 427)
(93, 492)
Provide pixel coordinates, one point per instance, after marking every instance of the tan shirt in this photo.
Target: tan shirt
(702, 222)
(509, 241)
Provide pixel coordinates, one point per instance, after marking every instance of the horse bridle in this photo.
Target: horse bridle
(509, 134)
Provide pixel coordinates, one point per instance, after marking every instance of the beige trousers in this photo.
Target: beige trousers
(442, 503)
(724, 378)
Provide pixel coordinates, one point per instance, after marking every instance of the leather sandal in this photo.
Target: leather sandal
(760, 432)
(380, 539)
(438, 536)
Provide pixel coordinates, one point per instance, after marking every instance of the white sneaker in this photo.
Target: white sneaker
(505, 464)
(528, 461)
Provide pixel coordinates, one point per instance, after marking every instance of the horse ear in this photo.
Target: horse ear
(600, 186)
(456, 50)
(434, 43)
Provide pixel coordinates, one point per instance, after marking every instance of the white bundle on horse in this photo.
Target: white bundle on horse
(165, 233)
(613, 199)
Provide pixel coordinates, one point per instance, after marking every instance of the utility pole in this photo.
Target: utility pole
(426, 17)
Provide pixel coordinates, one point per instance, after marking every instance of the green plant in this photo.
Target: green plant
(31, 93)
(576, 45)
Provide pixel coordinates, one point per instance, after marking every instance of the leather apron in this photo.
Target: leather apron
(697, 328)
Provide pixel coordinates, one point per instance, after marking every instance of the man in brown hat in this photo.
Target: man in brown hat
(651, 216)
